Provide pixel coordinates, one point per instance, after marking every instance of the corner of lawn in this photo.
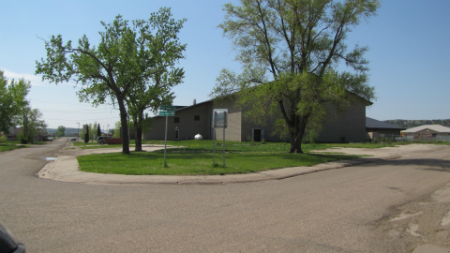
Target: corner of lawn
(196, 158)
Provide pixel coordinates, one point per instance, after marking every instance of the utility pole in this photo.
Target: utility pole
(78, 131)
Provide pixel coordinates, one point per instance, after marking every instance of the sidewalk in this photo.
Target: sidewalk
(66, 168)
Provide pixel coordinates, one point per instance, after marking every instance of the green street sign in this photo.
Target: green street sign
(166, 113)
(167, 108)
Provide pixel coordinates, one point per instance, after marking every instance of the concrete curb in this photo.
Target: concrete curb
(66, 169)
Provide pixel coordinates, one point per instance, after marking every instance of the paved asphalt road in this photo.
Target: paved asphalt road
(343, 210)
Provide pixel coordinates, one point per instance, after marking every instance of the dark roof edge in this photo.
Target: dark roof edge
(376, 124)
(187, 107)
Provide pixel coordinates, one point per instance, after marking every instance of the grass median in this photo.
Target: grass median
(11, 145)
(96, 145)
(196, 158)
(8, 147)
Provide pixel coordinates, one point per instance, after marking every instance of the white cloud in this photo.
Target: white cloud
(35, 80)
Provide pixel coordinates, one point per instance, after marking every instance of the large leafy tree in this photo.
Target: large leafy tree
(61, 131)
(128, 54)
(12, 101)
(93, 131)
(294, 47)
(32, 124)
(153, 94)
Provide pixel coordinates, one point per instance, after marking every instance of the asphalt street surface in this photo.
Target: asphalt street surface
(351, 209)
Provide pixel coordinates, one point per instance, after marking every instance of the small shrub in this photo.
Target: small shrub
(22, 138)
(313, 136)
(263, 141)
(2, 139)
(249, 139)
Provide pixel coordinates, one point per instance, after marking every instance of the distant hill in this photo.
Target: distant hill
(413, 123)
(69, 131)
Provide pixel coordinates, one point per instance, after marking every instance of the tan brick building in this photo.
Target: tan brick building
(348, 126)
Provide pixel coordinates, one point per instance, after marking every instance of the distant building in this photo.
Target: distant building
(14, 132)
(428, 130)
(376, 127)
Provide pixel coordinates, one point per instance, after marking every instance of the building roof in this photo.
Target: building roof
(180, 107)
(373, 123)
(436, 128)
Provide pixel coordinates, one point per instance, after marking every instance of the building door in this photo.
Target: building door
(258, 135)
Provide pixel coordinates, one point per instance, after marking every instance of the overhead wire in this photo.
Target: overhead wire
(80, 120)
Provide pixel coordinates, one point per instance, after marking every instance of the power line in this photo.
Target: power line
(55, 102)
(63, 103)
(81, 110)
(79, 120)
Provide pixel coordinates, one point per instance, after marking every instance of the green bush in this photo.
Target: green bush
(2, 139)
(22, 138)
(310, 137)
(313, 136)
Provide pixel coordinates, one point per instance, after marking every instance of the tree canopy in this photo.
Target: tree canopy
(61, 131)
(151, 95)
(12, 101)
(290, 51)
(32, 124)
(129, 54)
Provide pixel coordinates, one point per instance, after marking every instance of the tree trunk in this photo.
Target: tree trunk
(124, 123)
(138, 135)
(296, 138)
(296, 144)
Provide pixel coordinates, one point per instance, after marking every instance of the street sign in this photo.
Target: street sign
(167, 108)
(220, 119)
(166, 113)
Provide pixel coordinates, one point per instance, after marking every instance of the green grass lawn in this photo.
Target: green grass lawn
(8, 146)
(196, 158)
(104, 146)
(182, 163)
(96, 145)
(11, 145)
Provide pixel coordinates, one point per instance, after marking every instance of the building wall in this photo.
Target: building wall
(268, 128)
(347, 126)
(426, 131)
(371, 131)
(233, 130)
(187, 126)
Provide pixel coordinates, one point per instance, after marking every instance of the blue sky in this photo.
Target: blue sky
(408, 52)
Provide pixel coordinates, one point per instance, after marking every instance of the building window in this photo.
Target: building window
(176, 120)
(197, 118)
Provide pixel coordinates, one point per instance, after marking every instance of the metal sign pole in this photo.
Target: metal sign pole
(214, 140)
(223, 144)
(165, 144)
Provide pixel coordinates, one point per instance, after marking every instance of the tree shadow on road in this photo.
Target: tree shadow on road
(426, 164)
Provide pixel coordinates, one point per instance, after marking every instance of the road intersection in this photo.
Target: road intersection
(396, 202)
